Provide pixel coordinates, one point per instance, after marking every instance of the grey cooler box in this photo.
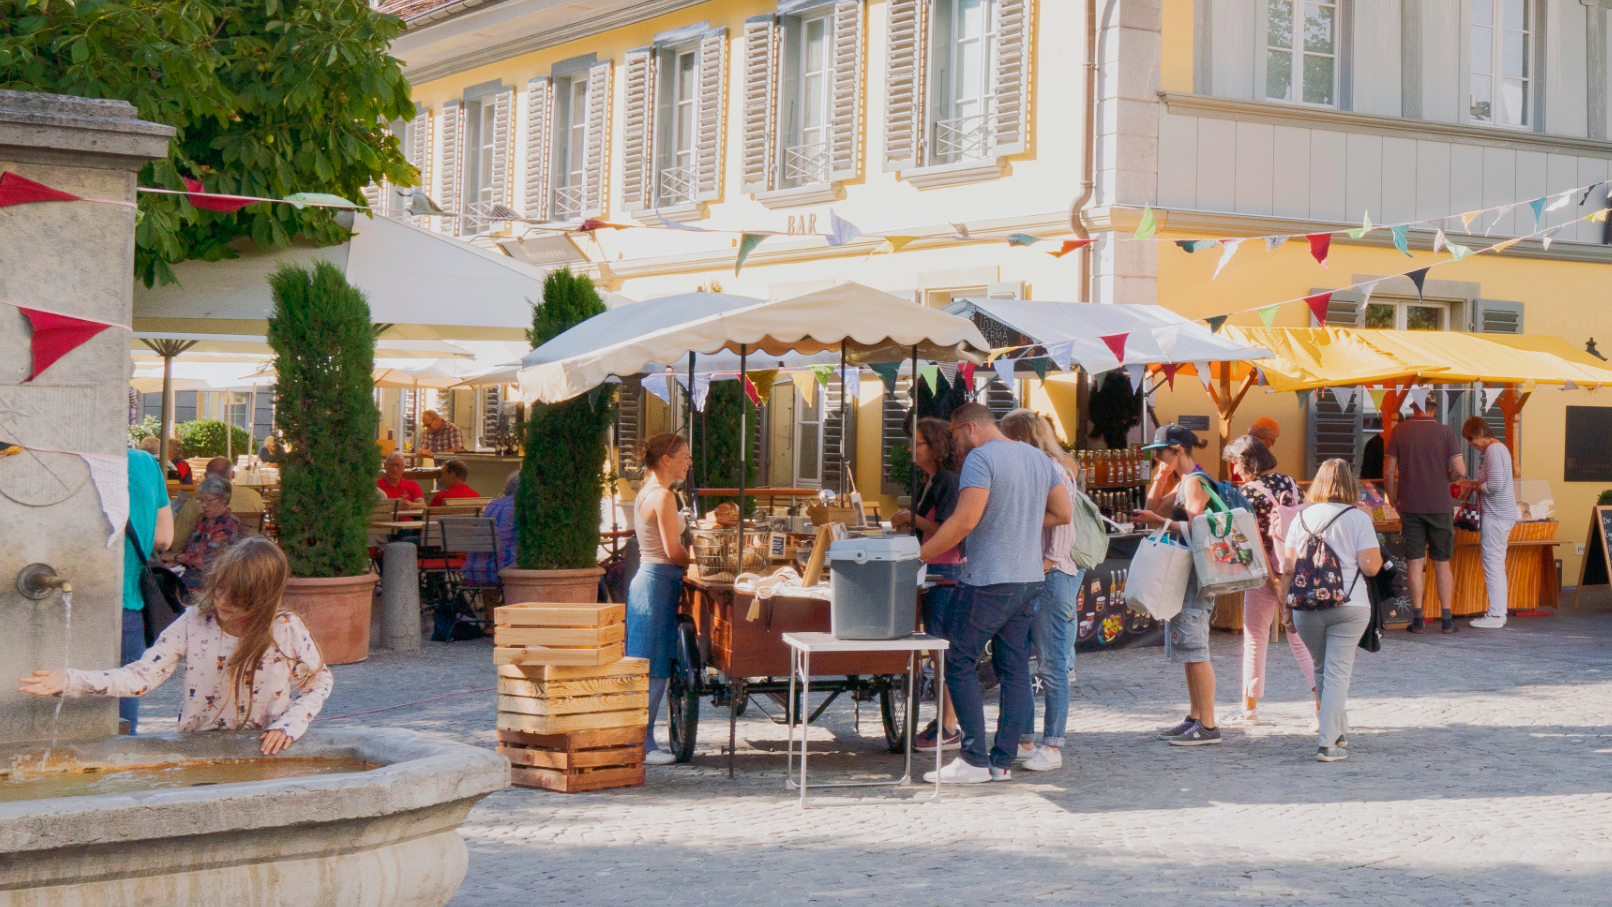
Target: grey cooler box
(875, 587)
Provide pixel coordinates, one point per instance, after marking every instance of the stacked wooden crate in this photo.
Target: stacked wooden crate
(572, 712)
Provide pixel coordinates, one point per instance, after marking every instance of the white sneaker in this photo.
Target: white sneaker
(1043, 759)
(1020, 753)
(1248, 718)
(959, 772)
(658, 757)
(1489, 623)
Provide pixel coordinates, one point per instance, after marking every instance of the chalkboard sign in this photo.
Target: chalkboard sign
(1193, 423)
(1588, 451)
(1596, 569)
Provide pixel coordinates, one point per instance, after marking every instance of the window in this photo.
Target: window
(1501, 68)
(802, 101)
(1301, 55)
(1408, 316)
(571, 148)
(809, 438)
(475, 157)
(566, 127)
(679, 113)
(809, 98)
(965, 66)
(480, 142)
(673, 126)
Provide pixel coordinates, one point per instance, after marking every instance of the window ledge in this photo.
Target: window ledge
(677, 214)
(814, 194)
(941, 176)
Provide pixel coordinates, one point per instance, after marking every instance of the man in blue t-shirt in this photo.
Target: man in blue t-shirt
(153, 523)
(1009, 492)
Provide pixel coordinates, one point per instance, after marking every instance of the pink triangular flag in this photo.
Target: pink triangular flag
(55, 336)
(1116, 344)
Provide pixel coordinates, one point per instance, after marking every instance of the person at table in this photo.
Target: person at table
(1009, 492)
(1267, 430)
(215, 532)
(933, 454)
(454, 474)
(270, 454)
(440, 436)
(482, 568)
(393, 485)
(1253, 468)
(1419, 463)
(176, 459)
(1498, 496)
(1186, 635)
(657, 587)
(241, 498)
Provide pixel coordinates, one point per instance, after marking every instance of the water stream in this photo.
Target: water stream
(67, 660)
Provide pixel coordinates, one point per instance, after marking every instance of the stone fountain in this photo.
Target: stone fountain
(348, 817)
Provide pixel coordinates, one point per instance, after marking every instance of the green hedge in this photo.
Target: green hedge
(205, 438)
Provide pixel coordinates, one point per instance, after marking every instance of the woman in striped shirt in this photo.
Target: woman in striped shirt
(1498, 496)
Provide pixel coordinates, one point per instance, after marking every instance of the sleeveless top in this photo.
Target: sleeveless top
(651, 546)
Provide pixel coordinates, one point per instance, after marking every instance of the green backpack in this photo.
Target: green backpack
(1091, 536)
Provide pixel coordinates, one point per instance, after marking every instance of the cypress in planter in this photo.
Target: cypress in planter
(325, 356)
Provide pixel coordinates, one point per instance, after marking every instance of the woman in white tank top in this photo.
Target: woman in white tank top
(657, 587)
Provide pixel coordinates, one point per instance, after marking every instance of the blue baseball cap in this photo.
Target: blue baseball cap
(1172, 435)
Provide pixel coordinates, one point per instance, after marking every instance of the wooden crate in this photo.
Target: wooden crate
(575, 762)
(559, 634)
(622, 667)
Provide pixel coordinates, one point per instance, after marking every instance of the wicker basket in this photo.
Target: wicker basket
(716, 552)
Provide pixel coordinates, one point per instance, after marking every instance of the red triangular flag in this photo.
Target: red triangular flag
(1116, 343)
(1318, 306)
(1319, 243)
(966, 369)
(207, 201)
(750, 391)
(16, 190)
(1170, 368)
(55, 336)
(1070, 245)
(592, 224)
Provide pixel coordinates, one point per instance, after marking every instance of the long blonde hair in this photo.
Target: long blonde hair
(1335, 483)
(250, 575)
(1034, 429)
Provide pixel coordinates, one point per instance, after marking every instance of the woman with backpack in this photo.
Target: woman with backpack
(1253, 467)
(1331, 545)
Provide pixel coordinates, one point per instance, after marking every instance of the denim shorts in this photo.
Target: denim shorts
(1186, 637)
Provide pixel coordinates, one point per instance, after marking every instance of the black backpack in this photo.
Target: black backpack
(1317, 574)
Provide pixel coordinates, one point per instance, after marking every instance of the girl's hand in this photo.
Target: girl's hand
(1287, 620)
(1147, 516)
(901, 519)
(44, 683)
(274, 742)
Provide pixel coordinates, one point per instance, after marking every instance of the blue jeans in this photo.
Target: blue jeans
(652, 600)
(938, 603)
(1052, 638)
(1002, 615)
(134, 646)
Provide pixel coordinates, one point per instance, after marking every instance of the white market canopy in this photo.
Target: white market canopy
(869, 324)
(1084, 324)
(239, 347)
(422, 285)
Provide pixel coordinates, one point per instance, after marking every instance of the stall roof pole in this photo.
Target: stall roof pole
(845, 424)
(738, 567)
(1392, 401)
(1226, 404)
(1511, 404)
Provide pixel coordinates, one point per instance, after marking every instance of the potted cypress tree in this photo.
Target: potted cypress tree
(325, 356)
(562, 472)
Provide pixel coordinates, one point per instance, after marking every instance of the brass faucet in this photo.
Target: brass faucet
(36, 581)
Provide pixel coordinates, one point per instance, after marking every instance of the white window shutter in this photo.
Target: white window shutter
(453, 138)
(760, 102)
(905, 90)
(375, 197)
(1014, 32)
(539, 128)
(597, 162)
(845, 136)
(503, 179)
(419, 154)
(713, 103)
(638, 129)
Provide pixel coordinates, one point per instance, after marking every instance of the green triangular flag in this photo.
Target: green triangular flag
(1401, 242)
(747, 244)
(931, 376)
(1148, 226)
(1022, 239)
(1039, 363)
(1268, 314)
(887, 372)
(1363, 229)
(1216, 322)
(1457, 251)
(825, 373)
(1304, 397)
(299, 199)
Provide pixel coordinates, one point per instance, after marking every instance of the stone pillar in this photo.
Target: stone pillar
(76, 258)
(1127, 156)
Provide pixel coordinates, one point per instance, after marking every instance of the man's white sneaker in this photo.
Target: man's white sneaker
(1043, 759)
(658, 757)
(1489, 623)
(1248, 718)
(959, 772)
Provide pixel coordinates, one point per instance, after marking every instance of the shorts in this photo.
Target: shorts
(1186, 636)
(1426, 533)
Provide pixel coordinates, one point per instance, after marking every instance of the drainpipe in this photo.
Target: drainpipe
(1088, 178)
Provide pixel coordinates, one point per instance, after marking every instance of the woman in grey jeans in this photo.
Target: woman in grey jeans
(1498, 495)
(1333, 634)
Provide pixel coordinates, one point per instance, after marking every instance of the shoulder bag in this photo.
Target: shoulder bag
(1227, 549)
(159, 591)
(1160, 570)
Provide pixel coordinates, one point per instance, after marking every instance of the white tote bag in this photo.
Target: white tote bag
(1160, 570)
(1228, 552)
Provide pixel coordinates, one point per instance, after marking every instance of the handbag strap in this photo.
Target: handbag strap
(1221, 510)
(141, 550)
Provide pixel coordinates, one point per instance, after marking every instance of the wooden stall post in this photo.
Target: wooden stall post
(1226, 404)
(1511, 404)
(1392, 401)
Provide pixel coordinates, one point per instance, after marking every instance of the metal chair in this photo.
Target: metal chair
(251, 521)
(463, 536)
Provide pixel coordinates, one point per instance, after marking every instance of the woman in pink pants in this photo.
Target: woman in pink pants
(1253, 467)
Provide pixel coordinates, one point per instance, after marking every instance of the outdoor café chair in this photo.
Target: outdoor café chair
(251, 521)
(463, 536)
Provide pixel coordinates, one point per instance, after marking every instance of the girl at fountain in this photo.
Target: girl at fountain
(244, 656)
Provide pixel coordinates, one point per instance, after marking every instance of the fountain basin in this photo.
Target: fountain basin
(383, 836)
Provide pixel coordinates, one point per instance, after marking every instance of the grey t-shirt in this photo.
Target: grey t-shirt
(1006, 545)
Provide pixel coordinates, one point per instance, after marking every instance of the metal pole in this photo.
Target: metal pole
(690, 390)
(912, 439)
(744, 451)
(167, 408)
(845, 421)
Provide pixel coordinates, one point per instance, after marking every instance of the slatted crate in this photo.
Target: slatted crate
(559, 634)
(575, 762)
(574, 728)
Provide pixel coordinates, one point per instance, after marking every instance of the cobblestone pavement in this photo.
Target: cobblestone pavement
(1480, 772)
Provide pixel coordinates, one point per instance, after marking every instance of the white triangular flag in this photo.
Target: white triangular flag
(656, 384)
(1504, 210)
(1439, 240)
(948, 370)
(1345, 397)
(853, 381)
(840, 231)
(1560, 202)
(1003, 367)
(1137, 372)
(1569, 385)
(1418, 396)
(1271, 242)
(1204, 377)
(1545, 240)
(702, 389)
(1228, 248)
(1061, 353)
(110, 475)
(1366, 289)
(1489, 393)
(1166, 337)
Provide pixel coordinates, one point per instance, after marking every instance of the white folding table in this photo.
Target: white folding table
(801, 647)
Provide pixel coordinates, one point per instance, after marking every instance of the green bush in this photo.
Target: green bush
(715, 443)
(149, 427)
(205, 438)
(324, 354)
(1605, 500)
(562, 473)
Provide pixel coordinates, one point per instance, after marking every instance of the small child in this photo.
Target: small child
(237, 640)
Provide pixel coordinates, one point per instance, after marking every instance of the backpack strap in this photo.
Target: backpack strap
(1308, 535)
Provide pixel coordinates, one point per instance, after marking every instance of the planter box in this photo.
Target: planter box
(579, 586)
(337, 612)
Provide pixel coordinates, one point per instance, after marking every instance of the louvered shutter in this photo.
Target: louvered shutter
(539, 133)
(845, 114)
(893, 428)
(712, 112)
(629, 422)
(375, 197)
(503, 180)
(760, 102)
(638, 129)
(1491, 316)
(839, 434)
(597, 155)
(1012, 97)
(453, 138)
(419, 154)
(905, 65)
(1335, 432)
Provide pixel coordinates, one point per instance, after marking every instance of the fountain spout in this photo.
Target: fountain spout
(37, 581)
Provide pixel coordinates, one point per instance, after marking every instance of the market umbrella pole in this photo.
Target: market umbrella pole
(167, 409)
(845, 426)
(744, 467)
(912, 438)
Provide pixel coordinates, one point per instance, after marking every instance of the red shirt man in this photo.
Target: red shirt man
(454, 473)
(392, 483)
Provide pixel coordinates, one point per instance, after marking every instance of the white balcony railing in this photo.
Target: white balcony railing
(676, 186)
(963, 139)
(805, 165)
(567, 204)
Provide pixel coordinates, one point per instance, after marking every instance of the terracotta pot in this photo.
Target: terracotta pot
(337, 612)
(551, 586)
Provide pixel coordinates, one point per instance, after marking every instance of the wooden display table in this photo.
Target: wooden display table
(1531, 581)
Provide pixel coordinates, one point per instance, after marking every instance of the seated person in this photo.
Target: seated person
(241, 500)
(392, 483)
(215, 532)
(454, 474)
(176, 459)
(270, 453)
(482, 569)
(439, 436)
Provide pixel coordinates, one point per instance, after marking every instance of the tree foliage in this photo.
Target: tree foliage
(562, 473)
(715, 440)
(205, 438)
(324, 356)
(268, 97)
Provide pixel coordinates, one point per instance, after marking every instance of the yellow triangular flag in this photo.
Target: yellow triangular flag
(893, 244)
(1467, 219)
(806, 382)
(763, 381)
(1501, 247)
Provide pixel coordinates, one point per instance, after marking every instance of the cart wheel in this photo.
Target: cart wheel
(895, 711)
(683, 692)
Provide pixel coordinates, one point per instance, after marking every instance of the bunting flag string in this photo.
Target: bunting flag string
(1320, 243)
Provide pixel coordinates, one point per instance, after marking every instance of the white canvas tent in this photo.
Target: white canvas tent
(1085, 324)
